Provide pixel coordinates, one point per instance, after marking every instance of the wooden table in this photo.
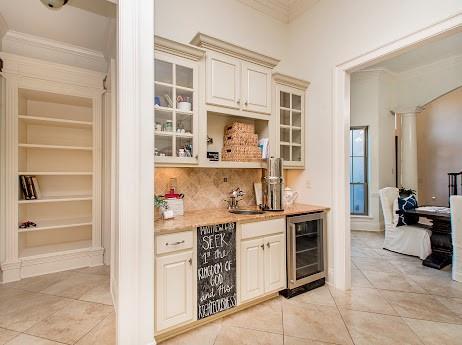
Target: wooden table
(441, 240)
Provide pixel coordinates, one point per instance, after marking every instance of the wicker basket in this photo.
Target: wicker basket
(243, 138)
(239, 153)
(240, 127)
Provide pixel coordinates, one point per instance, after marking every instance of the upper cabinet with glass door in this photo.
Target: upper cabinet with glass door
(176, 102)
(289, 95)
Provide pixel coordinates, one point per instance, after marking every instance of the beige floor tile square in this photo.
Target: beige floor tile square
(21, 311)
(39, 283)
(243, 336)
(358, 279)
(375, 264)
(376, 329)
(419, 306)
(6, 335)
(408, 267)
(453, 304)
(100, 294)
(439, 286)
(71, 323)
(103, 334)
(299, 341)
(314, 322)
(102, 270)
(75, 286)
(435, 333)
(320, 296)
(392, 281)
(363, 299)
(6, 292)
(25, 339)
(266, 317)
(365, 252)
(204, 335)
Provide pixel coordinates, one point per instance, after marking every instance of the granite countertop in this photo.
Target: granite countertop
(192, 219)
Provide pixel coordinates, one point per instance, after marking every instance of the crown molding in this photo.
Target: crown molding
(41, 70)
(172, 47)
(215, 44)
(277, 9)
(45, 49)
(290, 81)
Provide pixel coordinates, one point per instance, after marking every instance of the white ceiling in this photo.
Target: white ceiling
(282, 10)
(84, 23)
(424, 55)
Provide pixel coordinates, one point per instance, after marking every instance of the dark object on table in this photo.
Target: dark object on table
(27, 224)
(441, 240)
(406, 204)
(213, 156)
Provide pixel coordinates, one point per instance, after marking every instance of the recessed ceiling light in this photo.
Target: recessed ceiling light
(54, 4)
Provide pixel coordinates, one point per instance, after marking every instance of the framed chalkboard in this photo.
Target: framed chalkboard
(216, 269)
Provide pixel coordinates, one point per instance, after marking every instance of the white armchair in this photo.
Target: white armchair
(456, 224)
(406, 239)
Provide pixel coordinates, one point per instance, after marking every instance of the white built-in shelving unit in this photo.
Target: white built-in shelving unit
(53, 121)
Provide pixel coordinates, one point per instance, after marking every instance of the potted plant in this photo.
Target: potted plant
(160, 205)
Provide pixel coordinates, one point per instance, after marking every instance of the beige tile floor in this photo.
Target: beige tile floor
(394, 300)
(73, 307)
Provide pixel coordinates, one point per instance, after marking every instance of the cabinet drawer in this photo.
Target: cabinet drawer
(263, 228)
(174, 242)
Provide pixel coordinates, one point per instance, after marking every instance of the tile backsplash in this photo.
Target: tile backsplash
(206, 188)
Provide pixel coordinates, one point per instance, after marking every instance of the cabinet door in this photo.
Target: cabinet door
(252, 269)
(256, 88)
(174, 289)
(275, 263)
(223, 80)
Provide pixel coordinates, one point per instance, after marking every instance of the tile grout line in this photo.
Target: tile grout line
(341, 316)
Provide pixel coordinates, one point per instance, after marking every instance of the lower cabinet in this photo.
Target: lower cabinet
(263, 266)
(174, 289)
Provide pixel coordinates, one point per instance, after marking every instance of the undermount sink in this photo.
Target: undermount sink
(246, 211)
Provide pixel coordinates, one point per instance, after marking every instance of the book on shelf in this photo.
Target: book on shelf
(30, 187)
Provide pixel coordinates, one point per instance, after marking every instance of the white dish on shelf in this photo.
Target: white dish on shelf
(184, 106)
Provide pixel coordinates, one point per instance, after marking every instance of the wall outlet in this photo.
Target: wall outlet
(225, 179)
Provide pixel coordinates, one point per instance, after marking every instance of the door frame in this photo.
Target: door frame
(135, 173)
(341, 127)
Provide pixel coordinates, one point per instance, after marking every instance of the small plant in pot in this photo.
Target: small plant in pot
(161, 204)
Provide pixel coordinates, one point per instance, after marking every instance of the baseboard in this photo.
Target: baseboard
(51, 263)
(457, 276)
(366, 224)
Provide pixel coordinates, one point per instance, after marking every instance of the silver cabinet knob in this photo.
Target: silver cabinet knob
(190, 261)
(268, 244)
(262, 246)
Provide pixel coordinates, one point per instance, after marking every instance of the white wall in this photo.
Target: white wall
(331, 33)
(228, 20)
(372, 98)
(418, 86)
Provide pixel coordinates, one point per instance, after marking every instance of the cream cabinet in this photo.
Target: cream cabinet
(236, 78)
(252, 269)
(275, 267)
(289, 112)
(176, 102)
(223, 80)
(263, 258)
(237, 84)
(174, 289)
(256, 88)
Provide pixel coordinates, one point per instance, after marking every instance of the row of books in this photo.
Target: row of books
(30, 187)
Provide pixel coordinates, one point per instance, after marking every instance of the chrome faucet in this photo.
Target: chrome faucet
(234, 197)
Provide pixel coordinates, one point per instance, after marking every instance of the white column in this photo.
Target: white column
(409, 177)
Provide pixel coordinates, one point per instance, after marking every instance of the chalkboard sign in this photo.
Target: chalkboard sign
(216, 269)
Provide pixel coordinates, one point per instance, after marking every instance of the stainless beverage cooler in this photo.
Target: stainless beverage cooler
(306, 252)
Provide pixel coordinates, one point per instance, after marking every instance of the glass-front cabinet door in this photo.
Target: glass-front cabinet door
(176, 109)
(291, 114)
